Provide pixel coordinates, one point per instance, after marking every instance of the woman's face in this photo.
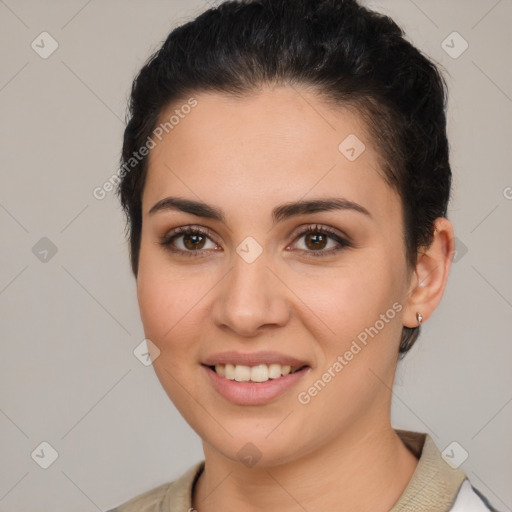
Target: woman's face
(253, 283)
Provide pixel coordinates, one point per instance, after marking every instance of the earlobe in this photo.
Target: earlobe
(430, 274)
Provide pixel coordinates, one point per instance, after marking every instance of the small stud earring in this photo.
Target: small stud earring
(419, 317)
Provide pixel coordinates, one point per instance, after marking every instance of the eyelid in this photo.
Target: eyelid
(184, 230)
(343, 241)
(303, 229)
(338, 236)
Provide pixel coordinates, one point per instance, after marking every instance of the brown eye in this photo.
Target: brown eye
(193, 241)
(316, 239)
(188, 241)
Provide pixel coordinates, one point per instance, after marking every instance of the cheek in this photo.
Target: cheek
(360, 311)
(357, 354)
(161, 299)
(171, 304)
(351, 300)
(165, 310)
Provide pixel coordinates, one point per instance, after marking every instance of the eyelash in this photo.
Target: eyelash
(188, 230)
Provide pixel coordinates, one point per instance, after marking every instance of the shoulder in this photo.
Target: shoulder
(470, 499)
(173, 496)
(149, 501)
(436, 482)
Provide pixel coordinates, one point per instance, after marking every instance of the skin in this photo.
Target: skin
(247, 156)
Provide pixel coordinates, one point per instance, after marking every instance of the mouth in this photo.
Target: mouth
(254, 378)
(255, 374)
(256, 382)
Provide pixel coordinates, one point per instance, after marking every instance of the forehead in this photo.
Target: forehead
(276, 145)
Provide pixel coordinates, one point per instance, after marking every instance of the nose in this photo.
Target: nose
(251, 298)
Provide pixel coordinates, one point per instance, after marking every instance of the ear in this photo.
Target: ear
(430, 274)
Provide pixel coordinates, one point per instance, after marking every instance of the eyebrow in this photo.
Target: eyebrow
(279, 214)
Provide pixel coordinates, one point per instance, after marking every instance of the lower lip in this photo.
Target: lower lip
(253, 393)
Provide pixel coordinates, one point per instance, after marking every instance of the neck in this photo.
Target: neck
(357, 472)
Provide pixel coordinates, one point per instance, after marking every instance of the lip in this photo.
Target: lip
(253, 393)
(254, 359)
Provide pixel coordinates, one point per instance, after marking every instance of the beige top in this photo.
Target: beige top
(433, 487)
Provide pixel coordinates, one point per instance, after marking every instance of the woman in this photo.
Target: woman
(285, 174)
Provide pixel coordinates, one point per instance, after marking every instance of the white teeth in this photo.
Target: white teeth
(242, 373)
(229, 371)
(259, 373)
(274, 371)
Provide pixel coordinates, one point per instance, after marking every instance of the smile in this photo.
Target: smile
(258, 373)
(235, 382)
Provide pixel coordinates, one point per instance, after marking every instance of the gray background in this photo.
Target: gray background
(70, 322)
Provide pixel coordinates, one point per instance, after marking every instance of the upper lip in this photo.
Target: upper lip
(254, 359)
